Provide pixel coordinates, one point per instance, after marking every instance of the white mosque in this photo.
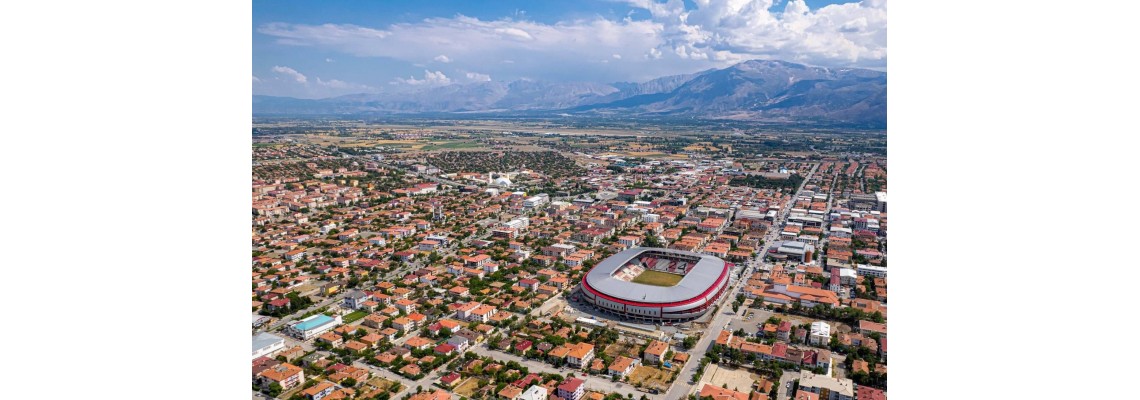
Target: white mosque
(503, 180)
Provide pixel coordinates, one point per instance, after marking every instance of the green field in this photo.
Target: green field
(353, 316)
(658, 278)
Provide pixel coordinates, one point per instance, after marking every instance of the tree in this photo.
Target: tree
(348, 382)
(275, 389)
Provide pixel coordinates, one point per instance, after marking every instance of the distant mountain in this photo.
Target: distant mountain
(627, 90)
(752, 90)
(769, 90)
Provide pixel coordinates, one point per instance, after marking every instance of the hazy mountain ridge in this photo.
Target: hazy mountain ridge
(751, 90)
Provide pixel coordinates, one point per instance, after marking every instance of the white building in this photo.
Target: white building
(519, 223)
(536, 201)
(355, 298)
(267, 344)
(820, 333)
(502, 181)
(802, 252)
(840, 232)
(534, 393)
(827, 387)
(313, 326)
(846, 276)
(871, 270)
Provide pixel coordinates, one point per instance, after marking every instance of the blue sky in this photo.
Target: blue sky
(316, 49)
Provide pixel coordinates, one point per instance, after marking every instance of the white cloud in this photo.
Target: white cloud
(477, 77)
(292, 73)
(436, 78)
(256, 79)
(342, 85)
(515, 33)
(851, 34)
(672, 40)
(329, 60)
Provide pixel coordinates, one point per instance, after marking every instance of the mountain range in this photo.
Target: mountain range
(756, 90)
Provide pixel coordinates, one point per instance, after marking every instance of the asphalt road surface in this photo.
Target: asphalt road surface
(682, 388)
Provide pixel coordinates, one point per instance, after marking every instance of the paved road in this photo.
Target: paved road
(682, 388)
(785, 380)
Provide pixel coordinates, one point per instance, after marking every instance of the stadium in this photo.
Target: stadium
(655, 285)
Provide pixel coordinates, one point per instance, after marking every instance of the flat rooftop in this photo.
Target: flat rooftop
(313, 322)
(264, 339)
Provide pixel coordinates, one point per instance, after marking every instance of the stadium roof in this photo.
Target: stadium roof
(696, 282)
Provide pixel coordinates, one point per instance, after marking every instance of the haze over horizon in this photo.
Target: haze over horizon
(318, 50)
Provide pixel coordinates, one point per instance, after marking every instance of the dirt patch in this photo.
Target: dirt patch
(468, 387)
(740, 380)
(649, 377)
(622, 349)
(382, 384)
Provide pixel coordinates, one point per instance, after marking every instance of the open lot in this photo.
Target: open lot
(650, 377)
(382, 384)
(657, 278)
(737, 379)
(467, 388)
(762, 315)
(621, 348)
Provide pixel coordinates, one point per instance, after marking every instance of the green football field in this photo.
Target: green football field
(658, 278)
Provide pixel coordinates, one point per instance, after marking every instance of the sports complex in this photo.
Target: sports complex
(655, 285)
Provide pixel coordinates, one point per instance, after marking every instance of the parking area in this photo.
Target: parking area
(750, 322)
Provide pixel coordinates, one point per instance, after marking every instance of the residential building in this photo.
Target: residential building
(284, 374)
(655, 352)
(535, 392)
(354, 299)
(820, 333)
(869, 393)
(826, 387)
(580, 355)
(571, 389)
(622, 366)
(717, 393)
(319, 391)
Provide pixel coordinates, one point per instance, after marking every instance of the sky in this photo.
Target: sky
(319, 49)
